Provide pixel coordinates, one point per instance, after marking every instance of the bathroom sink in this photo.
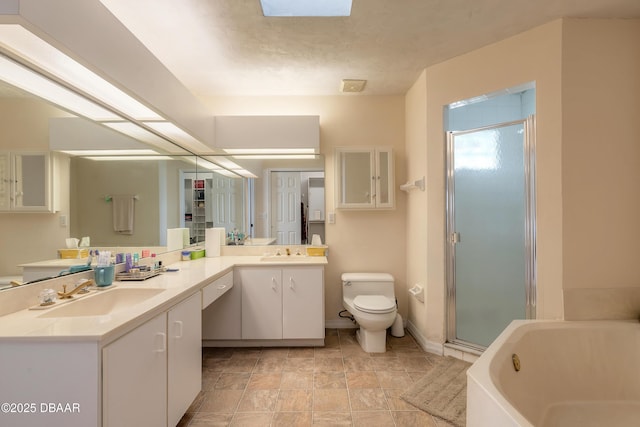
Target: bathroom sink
(285, 258)
(103, 302)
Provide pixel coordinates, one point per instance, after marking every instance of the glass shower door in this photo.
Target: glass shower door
(490, 231)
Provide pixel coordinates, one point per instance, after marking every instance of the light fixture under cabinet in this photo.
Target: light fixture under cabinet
(29, 81)
(21, 42)
(35, 66)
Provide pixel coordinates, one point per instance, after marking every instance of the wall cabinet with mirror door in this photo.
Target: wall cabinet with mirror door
(26, 182)
(365, 178)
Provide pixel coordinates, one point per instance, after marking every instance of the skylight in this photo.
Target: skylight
(306, 7)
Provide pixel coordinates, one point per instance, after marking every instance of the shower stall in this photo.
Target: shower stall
(490, 230)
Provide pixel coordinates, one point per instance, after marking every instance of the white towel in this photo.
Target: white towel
(123, 213)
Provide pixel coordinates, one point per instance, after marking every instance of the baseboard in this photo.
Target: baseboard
(339, 324)
(264, 343)
(428, 346)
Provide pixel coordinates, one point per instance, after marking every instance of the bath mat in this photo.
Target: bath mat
(442, 391)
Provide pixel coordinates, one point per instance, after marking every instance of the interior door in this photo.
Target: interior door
(227, 197)
(286, 210)
(490, 217)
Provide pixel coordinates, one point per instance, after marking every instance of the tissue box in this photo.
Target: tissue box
(73, 253)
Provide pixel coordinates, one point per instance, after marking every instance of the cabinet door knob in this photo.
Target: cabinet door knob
(290, 282)
(273, 283)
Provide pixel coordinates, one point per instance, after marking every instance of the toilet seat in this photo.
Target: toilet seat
(374, 304)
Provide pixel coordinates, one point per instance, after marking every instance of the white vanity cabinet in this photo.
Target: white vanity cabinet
(303, 303)
(284, 303)
(261, 303)
(134, 377)
(26, 182)
(365, 178)
(184, 362)
(152, 374)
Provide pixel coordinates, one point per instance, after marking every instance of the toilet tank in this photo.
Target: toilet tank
(354, 284)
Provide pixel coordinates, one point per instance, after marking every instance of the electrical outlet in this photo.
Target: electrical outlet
(331, 217)
(63, 220)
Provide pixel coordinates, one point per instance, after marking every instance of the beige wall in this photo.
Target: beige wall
(530, 56)
(588, 172)
(417, 218)
(358, 241)
(28, 237)
(601, 153)
(93, 216)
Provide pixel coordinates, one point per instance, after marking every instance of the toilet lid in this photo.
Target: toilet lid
(374, 303)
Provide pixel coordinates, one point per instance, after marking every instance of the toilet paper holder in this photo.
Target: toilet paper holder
(418, 292)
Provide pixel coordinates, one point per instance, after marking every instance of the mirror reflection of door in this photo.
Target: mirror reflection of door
(286, 208)
(226, 194)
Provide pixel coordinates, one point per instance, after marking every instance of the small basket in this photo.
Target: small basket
(316, 250)
(73, 253)
(198, 253)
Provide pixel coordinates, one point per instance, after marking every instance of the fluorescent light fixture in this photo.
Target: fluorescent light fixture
(245, 173)
(306, 7)
(275, 156)
(202, 163)
(127, 152)
(227, 173)
(20, 41)
(270, 150)
(115, 158)
(272, 153)
(143, 135)
(29, 81)
(230, 166)
(176, 134)
(224, 162)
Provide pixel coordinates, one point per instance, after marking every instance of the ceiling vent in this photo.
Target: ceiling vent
(350, 85)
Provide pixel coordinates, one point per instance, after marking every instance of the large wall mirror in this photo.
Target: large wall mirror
(282, 204)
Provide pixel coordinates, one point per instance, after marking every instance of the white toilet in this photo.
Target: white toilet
(370, 298)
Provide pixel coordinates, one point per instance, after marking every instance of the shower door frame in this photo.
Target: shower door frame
(529, 125)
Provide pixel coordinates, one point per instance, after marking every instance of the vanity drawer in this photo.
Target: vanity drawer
(216, 289)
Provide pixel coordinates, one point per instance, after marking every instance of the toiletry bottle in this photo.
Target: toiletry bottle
(128, 263)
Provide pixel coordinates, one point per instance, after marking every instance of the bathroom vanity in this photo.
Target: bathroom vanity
(138, 361)
(275, 305)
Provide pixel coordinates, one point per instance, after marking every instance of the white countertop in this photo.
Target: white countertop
(58, 262)
(191, 277)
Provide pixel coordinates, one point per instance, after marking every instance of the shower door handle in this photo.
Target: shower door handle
(455, 237)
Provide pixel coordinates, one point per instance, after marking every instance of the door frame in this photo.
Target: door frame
(529, 125)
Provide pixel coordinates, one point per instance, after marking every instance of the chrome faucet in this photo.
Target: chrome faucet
(80, 289)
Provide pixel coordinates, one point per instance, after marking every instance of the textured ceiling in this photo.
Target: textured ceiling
(226, 47)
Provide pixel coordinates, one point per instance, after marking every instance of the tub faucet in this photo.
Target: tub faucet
(80, 289)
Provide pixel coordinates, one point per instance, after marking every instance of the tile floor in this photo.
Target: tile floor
(335, 385)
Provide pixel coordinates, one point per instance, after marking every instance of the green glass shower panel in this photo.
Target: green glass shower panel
(489, 203)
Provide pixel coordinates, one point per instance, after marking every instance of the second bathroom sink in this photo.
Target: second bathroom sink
(285, 258)
(103, 302)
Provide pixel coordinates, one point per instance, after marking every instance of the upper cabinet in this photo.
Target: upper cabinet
(26, 182)
(364, 178)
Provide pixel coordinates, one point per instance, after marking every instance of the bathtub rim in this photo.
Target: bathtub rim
(481, 374)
